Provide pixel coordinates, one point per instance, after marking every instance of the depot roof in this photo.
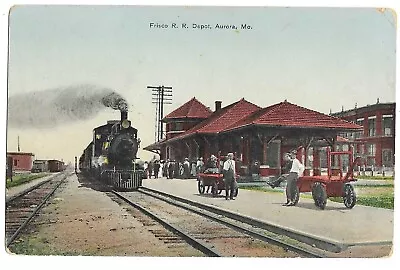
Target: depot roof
(191, 109)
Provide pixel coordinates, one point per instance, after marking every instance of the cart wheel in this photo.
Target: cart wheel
(297, 196)
(319, 195)
(214, 189)
(220, 191)
(349, 196)
(200, 186)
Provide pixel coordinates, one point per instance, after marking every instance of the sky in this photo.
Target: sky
(318, 58)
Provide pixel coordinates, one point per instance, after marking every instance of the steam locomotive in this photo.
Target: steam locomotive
(112, 153)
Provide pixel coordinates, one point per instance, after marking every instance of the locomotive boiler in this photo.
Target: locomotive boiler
(112, 153)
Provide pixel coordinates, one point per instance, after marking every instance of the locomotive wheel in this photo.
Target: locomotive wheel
(200, 186)
(319, 195)
(296, 196)
(214, 189)
(349, 196)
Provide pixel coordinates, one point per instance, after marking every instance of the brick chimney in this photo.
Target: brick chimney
(218, 105)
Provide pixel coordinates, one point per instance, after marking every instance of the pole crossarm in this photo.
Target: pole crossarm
(161, 95)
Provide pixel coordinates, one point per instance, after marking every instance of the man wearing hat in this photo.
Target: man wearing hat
(296, 170)
(212, 165)
(199, 165)
(229, 177)
(186, 168)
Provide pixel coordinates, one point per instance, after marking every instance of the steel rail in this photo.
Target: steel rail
(26, 222)
(22, 193)
(252, 233)
(190, 240)
(311, 240)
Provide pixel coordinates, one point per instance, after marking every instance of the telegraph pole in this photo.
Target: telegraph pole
(160, 95)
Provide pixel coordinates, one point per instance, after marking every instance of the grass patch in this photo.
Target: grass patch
(375, 196)
(381, 202)
(268, 190)
(378, 177)
(389, 185)
(259, 188)
(38, 246)
(384, 201)
(23, 178)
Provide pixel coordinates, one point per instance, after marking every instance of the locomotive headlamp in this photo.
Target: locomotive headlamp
(125, 123)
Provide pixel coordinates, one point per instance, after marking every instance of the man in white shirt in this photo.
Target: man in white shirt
(296, 171)
(229, 177)
(199, 165)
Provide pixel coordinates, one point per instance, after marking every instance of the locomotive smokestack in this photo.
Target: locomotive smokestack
(123, 108)
(124, 115)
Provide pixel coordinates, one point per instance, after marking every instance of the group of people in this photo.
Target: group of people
(153, 168)
(172, 169)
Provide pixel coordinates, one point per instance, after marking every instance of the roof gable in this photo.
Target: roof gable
(231, 114)
(223, 118)
(191, 109)
(286, 114)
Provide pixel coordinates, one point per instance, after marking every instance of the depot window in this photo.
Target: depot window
(177, 126)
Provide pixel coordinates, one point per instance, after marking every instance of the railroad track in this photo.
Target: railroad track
(166, 237)
(315, 245)
(22, 207)
(207, 231)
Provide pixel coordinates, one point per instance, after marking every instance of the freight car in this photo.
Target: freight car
(111, 155)
(40, 166)
(55, 165)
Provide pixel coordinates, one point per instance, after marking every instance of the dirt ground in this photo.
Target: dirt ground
(81, 220)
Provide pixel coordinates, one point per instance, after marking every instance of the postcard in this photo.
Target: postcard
(157, 132)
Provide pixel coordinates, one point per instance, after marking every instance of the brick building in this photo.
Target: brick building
(375, 142)
(21, 161)
(256, 135)
(185, 117)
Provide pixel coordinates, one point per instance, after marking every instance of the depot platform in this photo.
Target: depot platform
(359, 226)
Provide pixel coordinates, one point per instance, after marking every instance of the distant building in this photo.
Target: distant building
(21, 161)
(376, 141)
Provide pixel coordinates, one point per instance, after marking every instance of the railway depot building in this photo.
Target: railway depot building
(259, 137)
(375, 142)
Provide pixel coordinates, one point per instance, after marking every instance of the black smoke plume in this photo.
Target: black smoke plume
(53, 107)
